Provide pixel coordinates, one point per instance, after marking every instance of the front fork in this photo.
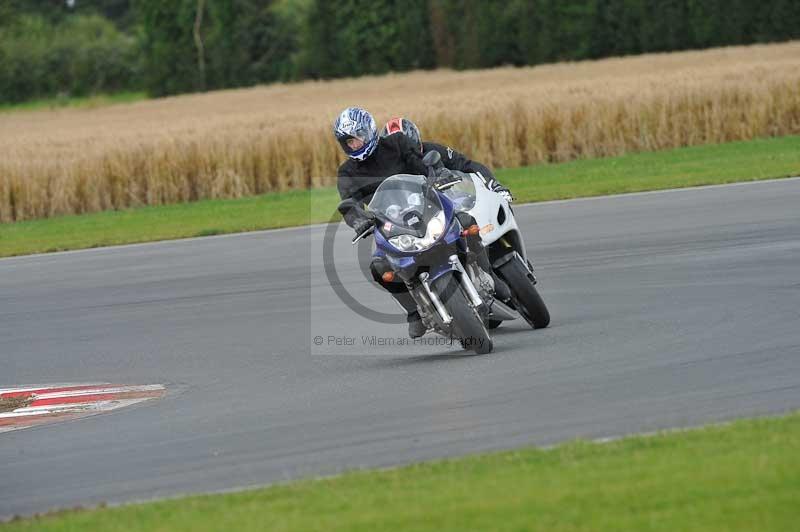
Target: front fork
(466, 283)
(434, 299)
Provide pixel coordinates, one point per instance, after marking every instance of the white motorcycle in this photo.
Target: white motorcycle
(506, 248)
(418, 227)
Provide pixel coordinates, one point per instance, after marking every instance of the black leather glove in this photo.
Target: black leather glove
(495, 186)
(443, 172)
(503, 191)
(362, 224)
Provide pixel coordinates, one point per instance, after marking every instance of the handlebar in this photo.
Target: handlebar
(363, 235)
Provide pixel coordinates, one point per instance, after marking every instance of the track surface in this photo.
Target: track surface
(669, 309)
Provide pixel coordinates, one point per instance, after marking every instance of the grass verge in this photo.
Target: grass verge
(740, 476)
(61, 102)
(700, 165)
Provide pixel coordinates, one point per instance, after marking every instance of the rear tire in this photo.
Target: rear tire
(467, 324)
(526, 297)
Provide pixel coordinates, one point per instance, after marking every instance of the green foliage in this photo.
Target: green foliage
(117, 11)
(353, 39)
(487, 33)
(80, 102)
(51, 11)
(168, 48)
(252, 41)
(84, 54)
(47, 47)
(56, 11)
(609, 26)
(241, 42)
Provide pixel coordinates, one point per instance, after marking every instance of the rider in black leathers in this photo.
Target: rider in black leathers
(452, 159)
(359, 179)
(456, 161)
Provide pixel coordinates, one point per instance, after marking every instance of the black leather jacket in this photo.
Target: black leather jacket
(358, 180)
(396, 154)
(454, 160)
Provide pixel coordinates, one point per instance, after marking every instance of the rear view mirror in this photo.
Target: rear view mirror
(432, 159)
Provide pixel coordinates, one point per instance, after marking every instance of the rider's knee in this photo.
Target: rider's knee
(378, 267)
(465, 219)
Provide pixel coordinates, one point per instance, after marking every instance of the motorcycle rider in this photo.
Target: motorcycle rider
(457, 161)
(371, 159)
(451, 159)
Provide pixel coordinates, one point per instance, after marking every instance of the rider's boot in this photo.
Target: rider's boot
(415, 326)
(501, 289)
(478, 250)
(481, 257)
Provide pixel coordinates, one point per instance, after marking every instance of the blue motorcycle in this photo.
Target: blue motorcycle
(416, 228)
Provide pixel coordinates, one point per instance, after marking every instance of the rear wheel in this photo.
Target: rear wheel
(467, 324)
(526, 297)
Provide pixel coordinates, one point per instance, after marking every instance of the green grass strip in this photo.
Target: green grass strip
(742, 476)
(81, 102)
(701, 165)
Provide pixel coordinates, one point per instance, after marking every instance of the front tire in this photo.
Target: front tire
(527, 298)
(467, 324)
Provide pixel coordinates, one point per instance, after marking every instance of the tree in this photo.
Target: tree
(169, 48)
(443, 40)
(347, 39)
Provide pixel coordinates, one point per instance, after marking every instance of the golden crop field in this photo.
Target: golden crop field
(242, 142)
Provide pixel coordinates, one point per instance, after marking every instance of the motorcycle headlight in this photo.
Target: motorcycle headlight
(436, 226)
(434, 230)
(404, 242)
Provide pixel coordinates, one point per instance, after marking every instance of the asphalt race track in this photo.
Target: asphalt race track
(668, 309)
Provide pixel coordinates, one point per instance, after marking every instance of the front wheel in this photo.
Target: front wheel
(527, 298)
(467, 324)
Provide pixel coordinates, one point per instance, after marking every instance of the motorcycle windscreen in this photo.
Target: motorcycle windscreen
(405, 204)
(462, 194)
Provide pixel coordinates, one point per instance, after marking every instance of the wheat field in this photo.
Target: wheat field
(242, 142)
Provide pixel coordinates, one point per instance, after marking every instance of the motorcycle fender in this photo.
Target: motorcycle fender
(504, 259)
(514, 256)
(440, 270)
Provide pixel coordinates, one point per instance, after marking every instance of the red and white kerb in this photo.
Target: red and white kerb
(46, 404)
